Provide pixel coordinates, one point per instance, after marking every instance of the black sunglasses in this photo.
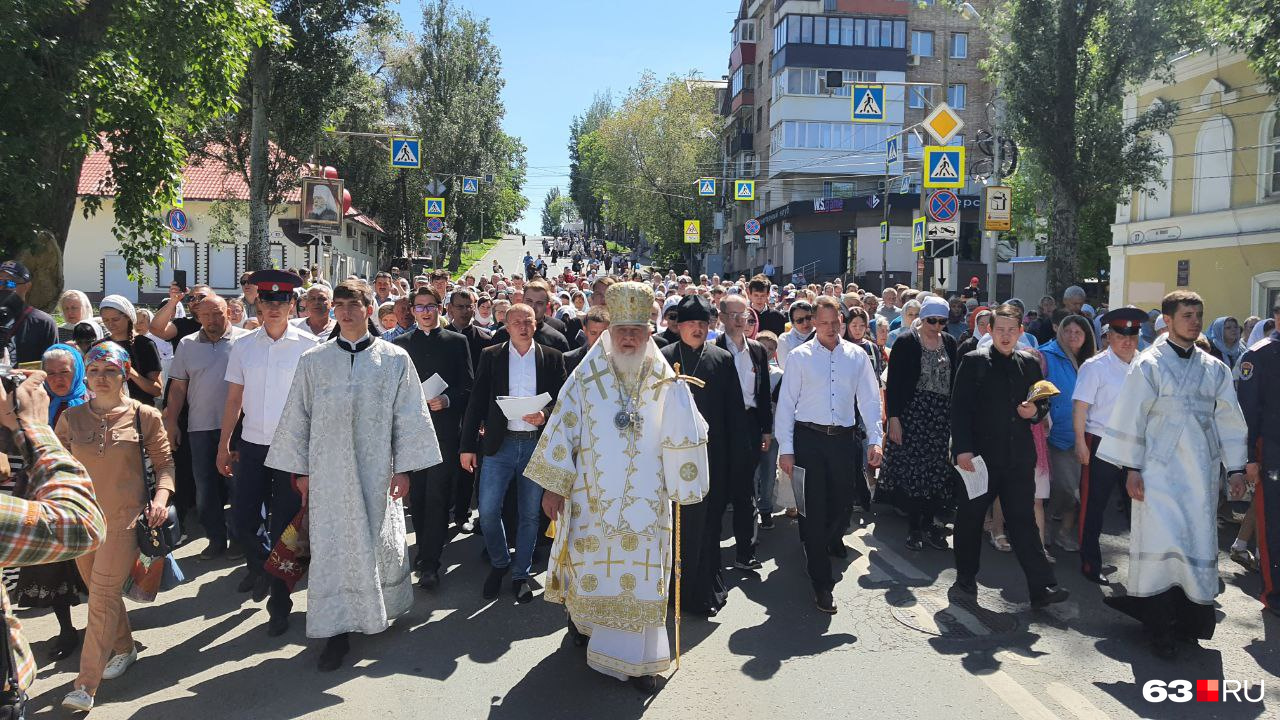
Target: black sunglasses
(936, 321)
(801, 320)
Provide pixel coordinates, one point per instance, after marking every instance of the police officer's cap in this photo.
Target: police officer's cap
(275, 285)
(693, 307)
(1125, 320)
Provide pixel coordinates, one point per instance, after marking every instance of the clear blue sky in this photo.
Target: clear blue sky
(556, 54)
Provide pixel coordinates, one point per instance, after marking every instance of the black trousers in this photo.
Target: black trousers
(262, 491)
(1097, 480)
(464, 487)
(1266, 502)
(1015, 486)
(693, 523)
(832, 464)
(430, 495)
(739, 491)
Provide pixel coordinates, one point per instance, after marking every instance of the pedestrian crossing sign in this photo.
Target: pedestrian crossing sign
(744, 189)
(692, 232)
(706, 187)
(884, 232)
(404, 152)
(470, 185)
(868, 103)
(944, 166)
(917, 234)
(435, 207)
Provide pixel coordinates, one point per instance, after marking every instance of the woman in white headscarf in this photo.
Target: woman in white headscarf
(75, 308)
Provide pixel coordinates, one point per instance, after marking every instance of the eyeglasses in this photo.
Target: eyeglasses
(671, 316)
(936, 321)
(426, 308)
(802, 320)
(743, 314)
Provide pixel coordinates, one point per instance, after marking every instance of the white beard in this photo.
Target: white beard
(627, 364)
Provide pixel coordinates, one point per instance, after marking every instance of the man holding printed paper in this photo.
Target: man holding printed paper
(991, 418)
(443, 360)
(515, 368)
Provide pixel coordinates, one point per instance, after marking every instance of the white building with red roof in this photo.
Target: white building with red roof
(93, 262)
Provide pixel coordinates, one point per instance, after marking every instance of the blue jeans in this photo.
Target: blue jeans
(212, 489)
(766, 478)
(496, 474)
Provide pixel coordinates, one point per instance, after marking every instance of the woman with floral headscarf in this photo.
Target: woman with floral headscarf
(108, 435)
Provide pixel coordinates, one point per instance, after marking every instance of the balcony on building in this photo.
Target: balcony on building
(740, 142)
(869, 43)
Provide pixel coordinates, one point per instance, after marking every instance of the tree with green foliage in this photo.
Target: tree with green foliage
(132, 78)
(647, 155)
(1064, 67)
(552, 207)
(584, 199)
(1250, 26)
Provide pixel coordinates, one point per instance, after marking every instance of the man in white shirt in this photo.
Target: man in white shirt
(1097, 387)
(259, 373)
(828, 383)
(801, 313)
(318, 320)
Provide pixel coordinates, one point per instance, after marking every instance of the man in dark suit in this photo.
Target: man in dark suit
(594, 323)
(991, 419)
(751, 361)
(720, 403)
(436, 351)
(550, 331)
(518, 367)
(462, 310)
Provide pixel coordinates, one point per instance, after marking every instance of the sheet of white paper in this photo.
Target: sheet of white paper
(434, 387)
(975, 483)
(517, 407)
(797, 486)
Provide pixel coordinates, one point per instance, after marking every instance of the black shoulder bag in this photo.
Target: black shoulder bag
(13, 701)
(153, 542)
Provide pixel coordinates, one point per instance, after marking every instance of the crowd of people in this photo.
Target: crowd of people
(603, 419)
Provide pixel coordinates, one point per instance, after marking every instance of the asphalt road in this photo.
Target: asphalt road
(898, 646)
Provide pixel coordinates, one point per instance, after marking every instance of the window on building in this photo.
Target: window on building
(919, 97)
(828, 5)
(873, 33)
(886, 33)
(833, 31)
(846, 32)
(838, 189)
(820, 31)
(922, 43)
(859, 31)
(900, 33)
(957, 96)
(860, 137)
(841, 91)
(1273, 152)
(793, 29)
(959, 45)
(806, 29)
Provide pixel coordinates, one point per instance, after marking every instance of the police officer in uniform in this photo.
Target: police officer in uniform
(1097, 386)
(1259, 391)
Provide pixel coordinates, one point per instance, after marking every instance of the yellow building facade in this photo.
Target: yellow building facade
(1213, 224)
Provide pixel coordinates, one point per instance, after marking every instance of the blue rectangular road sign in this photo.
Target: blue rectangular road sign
(405, 153)
(470, 185)
(891, 149)
(706, 187)
(868, 103)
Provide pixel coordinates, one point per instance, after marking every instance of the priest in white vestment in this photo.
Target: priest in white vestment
(624, 443)
(354, 426)
(1176, 424)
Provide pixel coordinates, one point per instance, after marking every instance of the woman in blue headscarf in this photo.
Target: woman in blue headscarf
(1224, 335)
(56, 586)
(64, 381)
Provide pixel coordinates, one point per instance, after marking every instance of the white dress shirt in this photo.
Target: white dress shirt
(746, 370)
(1098, 383)
(825, 387)
(522, 380)
(789, 341)
(264, 367)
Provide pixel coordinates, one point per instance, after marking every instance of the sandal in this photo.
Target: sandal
(1001, 543)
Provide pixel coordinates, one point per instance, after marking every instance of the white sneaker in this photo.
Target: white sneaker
(79, 700)
(118, 664)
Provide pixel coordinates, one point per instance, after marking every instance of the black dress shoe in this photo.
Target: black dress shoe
(235, 551)
(915, 542)
(825, 602)
(1048, 596)
(246, 583)
(966, 585)
(277, 626)
(1097, 578)
(766, 521)
(213, 551)
(493, 583)
(65, 645)
(261, 588)
(429, 580)
(334, 650)
(748, 563)
(522, 591)
(647, 684)
(937, 538)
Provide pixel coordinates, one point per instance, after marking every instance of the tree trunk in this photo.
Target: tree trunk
(44, 256)
(1063, 252)
(258, 251)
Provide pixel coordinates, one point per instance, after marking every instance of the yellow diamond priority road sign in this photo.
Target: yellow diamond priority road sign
(943, 123)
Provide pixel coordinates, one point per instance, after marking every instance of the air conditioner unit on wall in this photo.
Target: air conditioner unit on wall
(913, 60)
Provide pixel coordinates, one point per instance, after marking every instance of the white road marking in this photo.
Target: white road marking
(1072, 700)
